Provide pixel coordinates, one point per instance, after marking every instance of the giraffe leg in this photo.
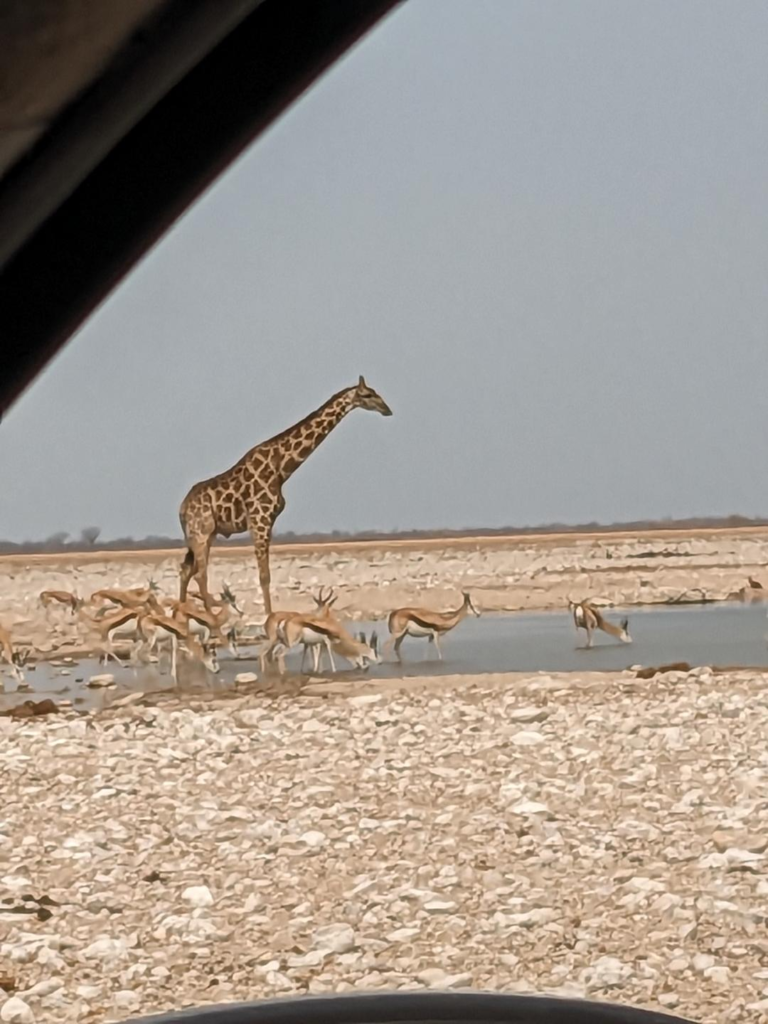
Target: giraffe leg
(261, 549)
(195, 565)
(186, 573)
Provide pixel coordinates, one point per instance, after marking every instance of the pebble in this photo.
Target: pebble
(105, 679)
(198, 896)
(16, 1011)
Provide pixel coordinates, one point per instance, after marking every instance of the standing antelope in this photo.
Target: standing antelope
(422, 622)
(275, 623)
(136, 597)
(588, 618)
(61, 597)
(15, 659)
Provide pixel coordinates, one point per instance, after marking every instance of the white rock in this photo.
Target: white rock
(718, 975)
(16, 1011)
(198, 896)
(246, 677)
(403, 934)
(336, 938)
(313, 839)
(88, 992)
(105, 948)
(441, 906)
(702, 962)
(527, 715)
(527, 738)
(106, 679)
(43, 988)
(530, 807)
(126, 998)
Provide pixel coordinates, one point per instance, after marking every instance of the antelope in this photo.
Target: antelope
(588, 618)
(61, 597)
(136, 597)
(121, 625)
(422, 622)
(205, 625)
(160, 629)
(326, 631)
(274, 628)
(16, 659)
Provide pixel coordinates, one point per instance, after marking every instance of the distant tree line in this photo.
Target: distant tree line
(88, 540)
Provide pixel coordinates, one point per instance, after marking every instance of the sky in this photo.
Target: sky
(540, 230)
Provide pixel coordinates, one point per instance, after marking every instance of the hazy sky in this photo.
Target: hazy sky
(540, 229)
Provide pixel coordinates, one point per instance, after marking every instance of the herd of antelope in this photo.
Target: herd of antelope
(148, 624)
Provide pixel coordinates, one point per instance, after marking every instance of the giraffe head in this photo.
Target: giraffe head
(364, 397)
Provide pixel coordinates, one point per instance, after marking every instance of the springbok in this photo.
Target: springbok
(422, 622)
(48, 598)
(326, 632)
(588, 618)
(205, 625)
(158, 630)
(15, 659)
(275, 623)
(136, 597)
(118, 628)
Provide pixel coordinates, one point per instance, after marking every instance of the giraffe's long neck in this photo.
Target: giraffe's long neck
(296, 444)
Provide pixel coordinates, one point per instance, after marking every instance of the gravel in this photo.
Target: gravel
(174, 855)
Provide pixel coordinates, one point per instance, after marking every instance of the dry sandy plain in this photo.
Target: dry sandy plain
(581, 834)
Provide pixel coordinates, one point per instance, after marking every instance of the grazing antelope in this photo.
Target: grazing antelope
(206, 625)
(61, 597)
(121, 626)
(328, 632)
(422, 622)
(274, 628)
(588, 618)
(161, 629)
(16, 659)
(136, 597)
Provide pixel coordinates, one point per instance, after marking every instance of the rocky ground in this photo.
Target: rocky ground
(603, 837)
(372, 579)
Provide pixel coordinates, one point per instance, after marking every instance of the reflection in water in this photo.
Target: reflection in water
(522, 642)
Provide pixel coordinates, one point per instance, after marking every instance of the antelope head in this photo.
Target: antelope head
(21, 657)
(210, 658)
(325, 602)
(229, 598)
(369, 653)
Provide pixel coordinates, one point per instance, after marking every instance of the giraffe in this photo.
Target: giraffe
(249, 495)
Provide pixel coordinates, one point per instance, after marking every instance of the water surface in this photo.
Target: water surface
(519, 642)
